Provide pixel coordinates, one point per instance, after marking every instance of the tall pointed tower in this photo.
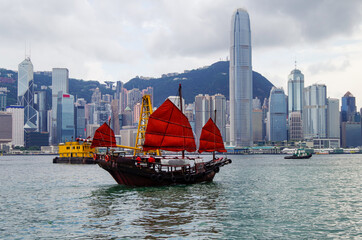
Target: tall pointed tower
(241, 85)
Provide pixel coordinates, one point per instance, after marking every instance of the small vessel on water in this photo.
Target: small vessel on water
(76, 152)
(165, 129)
(299, 154)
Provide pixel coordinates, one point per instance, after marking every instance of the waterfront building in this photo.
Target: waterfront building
(17, 125)
(351, 134)
(315, 111)
(5, 127)
(277, 116)
(26, 95)
(295, 126)
(240, 81)
(65, 117)
(295, 91)
(60, 83)
(333, 118)
(3, 98)
(36, 139)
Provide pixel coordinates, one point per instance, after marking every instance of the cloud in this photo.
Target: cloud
(328, 66)
(153, 37)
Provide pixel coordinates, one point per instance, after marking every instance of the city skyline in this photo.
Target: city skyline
(119, 40)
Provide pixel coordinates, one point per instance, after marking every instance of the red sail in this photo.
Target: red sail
(104, 137)
(168, 129)
(211, 139)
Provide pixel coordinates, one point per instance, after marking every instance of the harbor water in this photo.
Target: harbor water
(255, 197)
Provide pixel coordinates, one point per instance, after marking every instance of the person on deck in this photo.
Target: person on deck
(151, 159)
(138, 159)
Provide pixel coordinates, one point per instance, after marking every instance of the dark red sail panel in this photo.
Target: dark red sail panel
(169, 129)
(104, 137)
(211, 139)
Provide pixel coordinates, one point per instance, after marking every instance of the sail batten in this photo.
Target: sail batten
(211, 139)
(169, 129)
(104, 137)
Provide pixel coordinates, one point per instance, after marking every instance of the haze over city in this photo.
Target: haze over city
(118, 40)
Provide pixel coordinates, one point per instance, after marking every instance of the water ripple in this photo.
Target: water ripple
(260, 197)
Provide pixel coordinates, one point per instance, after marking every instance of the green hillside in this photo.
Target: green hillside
(208, 80)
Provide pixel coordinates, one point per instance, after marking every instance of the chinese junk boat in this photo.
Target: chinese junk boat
(166, 129)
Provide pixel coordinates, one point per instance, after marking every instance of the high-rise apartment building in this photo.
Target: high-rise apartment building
(134, 96)
(241, 84)
(277, 115)
(315, 111)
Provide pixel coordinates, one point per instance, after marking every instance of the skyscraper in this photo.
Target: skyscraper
(333, 130)
(65, 117)
(241, 84)
(277, 115)
(348, 108)
(26, 94)
(60, 83)
(315, 111)
(17, 125)
(295, 91)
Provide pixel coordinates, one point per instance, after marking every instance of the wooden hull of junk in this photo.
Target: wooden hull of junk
(127, 171)
(298, 157)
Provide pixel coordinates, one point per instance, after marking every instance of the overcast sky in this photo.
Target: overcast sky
(117, 40)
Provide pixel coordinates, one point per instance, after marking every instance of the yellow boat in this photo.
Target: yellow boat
(78, 152)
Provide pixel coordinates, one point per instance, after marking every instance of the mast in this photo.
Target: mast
(213, 153)
(180, 94)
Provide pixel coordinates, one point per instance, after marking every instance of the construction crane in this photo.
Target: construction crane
(146, 111)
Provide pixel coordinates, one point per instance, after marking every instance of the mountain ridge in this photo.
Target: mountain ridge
(207, 80)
